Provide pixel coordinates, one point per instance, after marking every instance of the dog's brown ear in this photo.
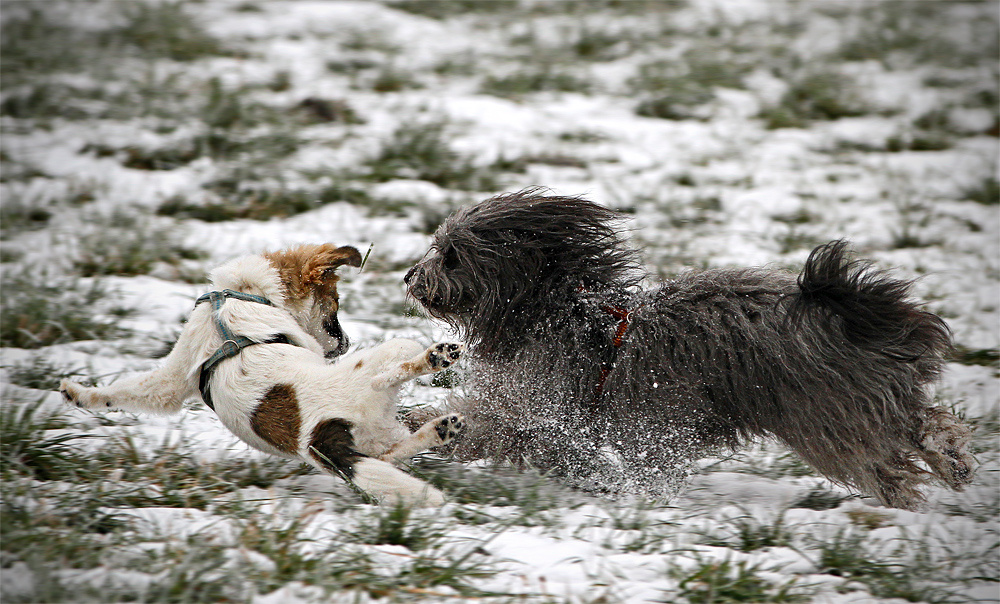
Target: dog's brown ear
(307, 268)
(322, 266)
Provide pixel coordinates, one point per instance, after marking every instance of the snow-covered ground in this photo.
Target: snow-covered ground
(143, 144)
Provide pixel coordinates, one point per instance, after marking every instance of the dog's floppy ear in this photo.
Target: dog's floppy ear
(308, 268)
(322, 266)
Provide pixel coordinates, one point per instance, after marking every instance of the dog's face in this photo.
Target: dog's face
(309, 283)
(514, 248)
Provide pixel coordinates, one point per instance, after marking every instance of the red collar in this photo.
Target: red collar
(624, 317)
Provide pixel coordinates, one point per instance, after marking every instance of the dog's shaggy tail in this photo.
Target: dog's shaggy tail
(872, 308)
(870, 313)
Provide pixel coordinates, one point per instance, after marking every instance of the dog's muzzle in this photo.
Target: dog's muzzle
(415, 287)
(333, 329)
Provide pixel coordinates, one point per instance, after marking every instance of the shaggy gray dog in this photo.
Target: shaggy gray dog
(584, 374)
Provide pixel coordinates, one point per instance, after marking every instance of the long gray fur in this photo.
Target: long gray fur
(835, 363)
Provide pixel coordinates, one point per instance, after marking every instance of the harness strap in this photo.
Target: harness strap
(232, 344)
(230, 293)
(208, 367)
(624, 317)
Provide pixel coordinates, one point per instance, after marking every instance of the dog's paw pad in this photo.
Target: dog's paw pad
(442, 355)
(449, 426)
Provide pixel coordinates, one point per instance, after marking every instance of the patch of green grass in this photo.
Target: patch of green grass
(234, 129)
(318, 110)
(848, 555)
(55, 537)
(537, 78)
(915, 215)
(240, 199)
(901, 35)
(35, 38)
(40, 373)
(349, 565)
(53, 99)
(165, 29)
(442, 9)
(171, 475)
(27, 450)
(392, 79)
(583, 136)
(794, 237)
(816, 95)
(19, 213)
(232, 126)
(987, 357)
(726, 581)
(918, 141)
(783, 464)
(987, 192)
(44, 310)
(595, 44)
(397, 525)
(422, 150)
(32, 43)
(128, 243)
(748, 534)
(679, 90)
(24, 209)
(819, 498)
(528, 492)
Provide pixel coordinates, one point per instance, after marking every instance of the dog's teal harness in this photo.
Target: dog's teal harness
(232, 344)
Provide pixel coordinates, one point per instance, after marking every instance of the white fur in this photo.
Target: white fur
(361, 388)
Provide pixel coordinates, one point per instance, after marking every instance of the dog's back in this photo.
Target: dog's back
(835, 364)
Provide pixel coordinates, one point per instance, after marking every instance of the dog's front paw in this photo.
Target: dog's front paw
(81, 396)
(449, 426)
(442, 355)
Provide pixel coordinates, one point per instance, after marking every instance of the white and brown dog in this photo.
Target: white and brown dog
(255, 352)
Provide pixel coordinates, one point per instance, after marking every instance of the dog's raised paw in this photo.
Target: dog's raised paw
(442, 355)
(449, 426)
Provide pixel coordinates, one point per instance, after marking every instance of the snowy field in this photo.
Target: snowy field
(143, 144)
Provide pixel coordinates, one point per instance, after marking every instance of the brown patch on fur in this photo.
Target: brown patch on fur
(409, 367)
(333, 446)
(387, 456)
(309, 269)
(276, 419)
(359, 365)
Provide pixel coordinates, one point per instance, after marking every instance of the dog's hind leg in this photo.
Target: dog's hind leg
(389, 484)
(331, 448)
(944, 441)
(435, 433)
(437, 357)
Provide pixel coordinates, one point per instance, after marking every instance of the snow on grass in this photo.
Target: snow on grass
(145, 143)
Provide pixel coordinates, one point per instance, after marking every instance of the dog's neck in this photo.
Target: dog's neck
(252, 275)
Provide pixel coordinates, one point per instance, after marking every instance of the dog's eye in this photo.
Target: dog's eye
(449, 258)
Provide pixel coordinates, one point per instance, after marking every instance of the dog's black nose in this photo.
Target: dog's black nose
(409, 275)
